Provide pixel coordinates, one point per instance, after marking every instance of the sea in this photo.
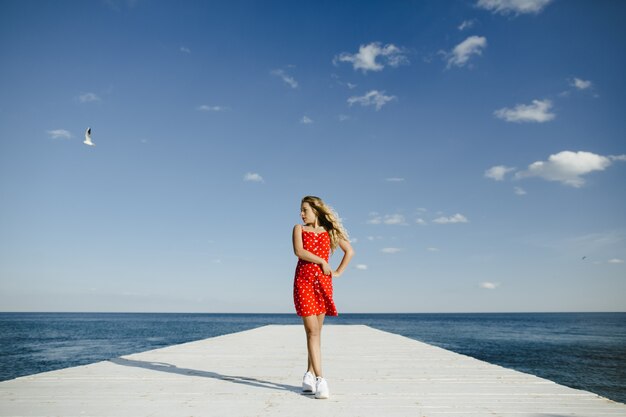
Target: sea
(581, 350)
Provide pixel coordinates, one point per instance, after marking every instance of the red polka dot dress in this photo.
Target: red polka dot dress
(312, 290)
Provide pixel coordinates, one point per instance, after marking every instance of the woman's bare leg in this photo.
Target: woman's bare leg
(313, 329)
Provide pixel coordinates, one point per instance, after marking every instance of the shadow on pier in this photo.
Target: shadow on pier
(173, 369)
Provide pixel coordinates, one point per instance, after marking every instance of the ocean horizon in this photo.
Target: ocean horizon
(583, 350)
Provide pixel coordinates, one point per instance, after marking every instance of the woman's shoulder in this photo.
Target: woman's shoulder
(310, 230)
(297, 228)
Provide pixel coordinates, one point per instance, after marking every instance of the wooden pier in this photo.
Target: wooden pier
(258, 373)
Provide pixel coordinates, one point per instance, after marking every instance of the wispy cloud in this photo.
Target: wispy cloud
(461, 54)
(391, 219)
(367, 57)
(59, 134)
(498, 172)
(590, 243)
(513, 6)
(391, 250)
(568, 167)
(88, 97)
(538, 111)
(288, 79)
(519, 191)
(342, 83)
(616, 261)
(253, 177)
(306, 120)
(457, 218)
(206, 107)
(489, 285)
(394, 179)
(375, 220)
(394, 219)
(343, 117)
(432, 249)
(373, 98)
(467, 24)
(580, 84)
(361, 267)
(185, 50)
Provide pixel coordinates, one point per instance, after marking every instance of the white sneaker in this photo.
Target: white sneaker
(308, 383)
(321, 388)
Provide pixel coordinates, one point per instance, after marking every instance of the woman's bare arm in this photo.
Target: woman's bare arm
(348, 253)
(300, 252)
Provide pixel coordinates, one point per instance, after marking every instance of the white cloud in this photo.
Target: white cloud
(568, 167)
(375, 220)
(366, 58)
(343, 117)
(253, 177)
(394, 179)
(513, 6)
(342, 83)
(306, 120)
(467, 24)
(391, 219)
(205, 107)
(432, 249)
(538, 111)
(489, 285)
(498, 172)
(59, 134)
(519, 191)
(361, 267)
(390, 250)
(457, 218)
(461, 53)
(374, 97)
(285, 77)
(420, 221)
(616, 261)
(88, 97)
(185, 49)
(394, 219)
(581, 84)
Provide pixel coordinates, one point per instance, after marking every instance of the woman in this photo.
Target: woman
(313, 242)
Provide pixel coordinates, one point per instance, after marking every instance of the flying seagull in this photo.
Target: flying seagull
(88, 138)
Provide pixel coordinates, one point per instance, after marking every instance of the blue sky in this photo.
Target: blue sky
(474, 149)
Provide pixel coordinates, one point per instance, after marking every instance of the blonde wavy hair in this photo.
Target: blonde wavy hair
(329, 220)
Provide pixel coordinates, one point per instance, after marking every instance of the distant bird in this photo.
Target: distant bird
(584, 257)
(88, 138)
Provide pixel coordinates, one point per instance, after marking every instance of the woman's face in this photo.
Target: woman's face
(307, 214)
